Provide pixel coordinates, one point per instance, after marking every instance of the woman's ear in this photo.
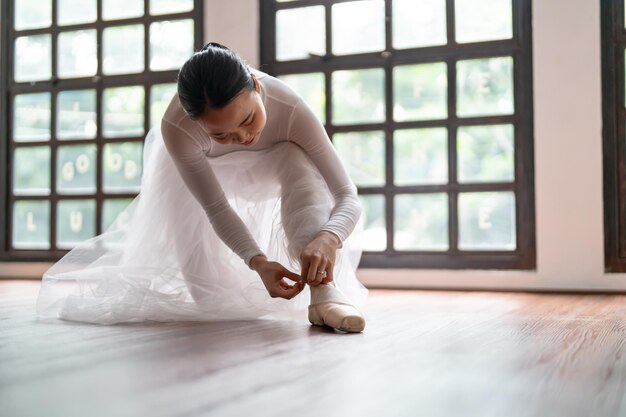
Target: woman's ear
(256, 83)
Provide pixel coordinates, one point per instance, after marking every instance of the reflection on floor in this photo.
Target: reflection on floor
(423, 353)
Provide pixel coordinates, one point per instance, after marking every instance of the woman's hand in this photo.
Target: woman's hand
(272, 274)
(318, 257)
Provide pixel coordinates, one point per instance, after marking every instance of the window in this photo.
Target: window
(429, 105)
(86, 80)
(614, 119)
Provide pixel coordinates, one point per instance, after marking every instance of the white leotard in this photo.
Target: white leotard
(289, 118)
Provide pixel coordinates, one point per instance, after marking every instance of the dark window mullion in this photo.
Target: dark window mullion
(97, 80)
(328, 91)
(620, 143)
(523, 129)
(453, 122)
(390, 189)
(6, 112)
(54, 149)
(612, 96)
(405, 56)
(450, 23)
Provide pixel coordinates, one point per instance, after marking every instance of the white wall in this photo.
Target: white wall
(234, 23)
(568, 150)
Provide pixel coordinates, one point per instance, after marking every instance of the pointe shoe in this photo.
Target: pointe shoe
(341, 316)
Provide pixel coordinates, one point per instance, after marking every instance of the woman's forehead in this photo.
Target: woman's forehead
(230, 116)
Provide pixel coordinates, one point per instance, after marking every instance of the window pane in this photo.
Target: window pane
(32, 58)
(76, 222)
(300, 32)
(32, 14)
(419, 23)
(31, 117)
(312, 89)
(170, 6)
(121, 9)
(487, 221)
(485, 86)
(171, 43)
(113, 212)
(77, 54)
(486, 153)
(483, 20)
(375, 233)
(160, 97)
(123, 111)
(123, 49)
(122, 167)
(76, 114)
(358, 96)
(71, 12)
(358, 26)
(420, 92)
(31, 225)
(363, 155)
(420, 156)
(76, 169)
(31, 170)
(421, 222)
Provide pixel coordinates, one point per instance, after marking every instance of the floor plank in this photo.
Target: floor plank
(422, 353)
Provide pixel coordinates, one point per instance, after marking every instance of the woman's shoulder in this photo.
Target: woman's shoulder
(174, 113)
(275, 89)
(178, 127)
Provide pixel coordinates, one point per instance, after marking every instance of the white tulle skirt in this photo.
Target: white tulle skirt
(165, 262)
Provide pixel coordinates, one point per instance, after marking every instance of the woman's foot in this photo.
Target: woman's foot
(330, 307)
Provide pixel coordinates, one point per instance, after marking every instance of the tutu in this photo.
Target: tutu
(165, 262)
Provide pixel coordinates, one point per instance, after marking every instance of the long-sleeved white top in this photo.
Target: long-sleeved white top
(289, 118)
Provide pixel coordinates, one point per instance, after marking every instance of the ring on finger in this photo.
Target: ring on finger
(322, 273)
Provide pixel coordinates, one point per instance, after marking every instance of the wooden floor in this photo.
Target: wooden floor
(423, 353)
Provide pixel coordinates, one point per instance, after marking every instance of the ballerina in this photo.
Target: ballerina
(258, 165)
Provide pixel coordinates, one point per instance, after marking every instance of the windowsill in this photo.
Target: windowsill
(23, 270)
(482, 280)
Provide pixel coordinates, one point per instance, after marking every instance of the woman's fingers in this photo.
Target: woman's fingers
(329, 275)
(292, 275)
(320, 273)
(305, 261)
(285, 290)
(311, 264)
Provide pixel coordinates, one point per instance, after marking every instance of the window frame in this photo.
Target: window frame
(613, 45)
(9, 88)
(519, 48)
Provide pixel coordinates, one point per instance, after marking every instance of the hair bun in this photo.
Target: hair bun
(213, 45)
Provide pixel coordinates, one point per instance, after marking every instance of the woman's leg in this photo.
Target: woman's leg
(306, 206)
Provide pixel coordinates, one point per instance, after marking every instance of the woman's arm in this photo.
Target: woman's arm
(200, 179)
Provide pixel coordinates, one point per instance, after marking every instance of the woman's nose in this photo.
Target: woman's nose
(243, 137)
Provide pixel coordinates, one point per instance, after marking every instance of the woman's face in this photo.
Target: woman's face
(240, 122)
